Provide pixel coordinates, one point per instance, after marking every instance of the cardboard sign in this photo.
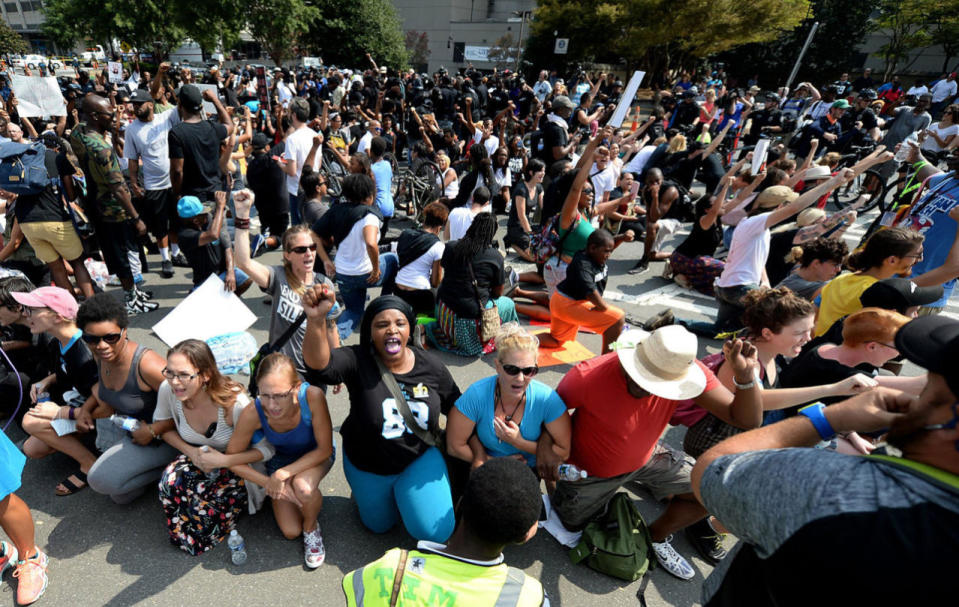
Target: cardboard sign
(208, 107)
(624, 102)
(115, 71)
(760, 153)
(37, 97)
(207, 312)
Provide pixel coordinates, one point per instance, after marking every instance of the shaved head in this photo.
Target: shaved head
(95, 103)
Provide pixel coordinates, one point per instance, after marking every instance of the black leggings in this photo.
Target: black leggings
(422, 301)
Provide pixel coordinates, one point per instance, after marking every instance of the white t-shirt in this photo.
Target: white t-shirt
(603, 181)
(283, 93)
(148, 141)
(943, 131)
(638, 162)
(298, 146)
(747, 253)
(460, 220)
(364, 143)
(942, 90)
(416, 274)
(502, 178)
(918, 91)
(351, 256)
(491, 144)
(453, 188)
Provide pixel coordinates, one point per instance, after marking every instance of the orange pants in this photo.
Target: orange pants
(568, 315)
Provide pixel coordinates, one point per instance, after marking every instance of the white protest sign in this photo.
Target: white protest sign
(622, 108)
(115, 71)
(760, 152)
(208, 107)
(207, 312)
(38, 96)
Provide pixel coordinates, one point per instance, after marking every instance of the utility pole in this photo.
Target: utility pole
(802, 53)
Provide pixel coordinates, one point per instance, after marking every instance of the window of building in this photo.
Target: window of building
(10, 6)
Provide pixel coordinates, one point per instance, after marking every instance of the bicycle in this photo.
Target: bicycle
(422, 186)
(868, 182)
(333, 171)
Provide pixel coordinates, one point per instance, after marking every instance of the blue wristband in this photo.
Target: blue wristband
(818, 419)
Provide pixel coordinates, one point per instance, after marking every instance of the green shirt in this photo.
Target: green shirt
(101, 167)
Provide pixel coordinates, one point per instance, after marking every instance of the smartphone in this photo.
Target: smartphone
(634, 189)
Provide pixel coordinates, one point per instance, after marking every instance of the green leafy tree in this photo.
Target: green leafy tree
(418, 48)
(11, 42)
(503, 52)
(824, 61)
(348, 30)
(659, 35)
(903, 23)
(945, 31)
(279, 24)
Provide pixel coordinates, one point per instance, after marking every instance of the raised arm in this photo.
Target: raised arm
(318, 300)
(243, 201)
(785, 212)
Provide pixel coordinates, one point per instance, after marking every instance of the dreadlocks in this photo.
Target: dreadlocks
(477, 239)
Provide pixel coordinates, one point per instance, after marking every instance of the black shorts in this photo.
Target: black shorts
(157, 210)
(116, 239)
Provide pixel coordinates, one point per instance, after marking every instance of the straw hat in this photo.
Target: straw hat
(663, 362)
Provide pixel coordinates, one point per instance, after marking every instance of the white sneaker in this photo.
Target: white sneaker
(672, 561)
(314, 552)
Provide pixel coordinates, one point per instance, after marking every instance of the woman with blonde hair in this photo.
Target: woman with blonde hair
(200, 496)
(285, 283)
(509, 409)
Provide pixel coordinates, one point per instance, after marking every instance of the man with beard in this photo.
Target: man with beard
(815, 522)
(146, 140)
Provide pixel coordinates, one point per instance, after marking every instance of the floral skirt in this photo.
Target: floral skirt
(457, 335)
(200, 510)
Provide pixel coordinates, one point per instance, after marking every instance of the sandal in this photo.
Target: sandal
(69, 486)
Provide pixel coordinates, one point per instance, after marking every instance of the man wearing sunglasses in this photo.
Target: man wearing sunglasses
(858, 519)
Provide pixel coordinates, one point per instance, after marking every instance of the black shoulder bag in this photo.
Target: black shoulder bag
(432, 437)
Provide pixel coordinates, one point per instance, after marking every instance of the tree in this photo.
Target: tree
(824, 60)
(278, 24)
(418, 48)
(161, 25)
(945, 32)
(903, 23)
(11, 42)
(659, 35)
(347, 30)
(503, 51)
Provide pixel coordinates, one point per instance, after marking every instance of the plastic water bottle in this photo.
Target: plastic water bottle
(569, 472)
(127, 423)
(212, 474)
(904, 149)
(237, 548)
(43, 397)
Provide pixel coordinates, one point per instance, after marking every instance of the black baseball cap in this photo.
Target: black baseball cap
(899, 294)
(932, 342)
(260, 141)
(141, 96)
(190, 97)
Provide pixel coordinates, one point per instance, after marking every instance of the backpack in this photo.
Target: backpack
(618, 543)
(23, 169)
(547, 242)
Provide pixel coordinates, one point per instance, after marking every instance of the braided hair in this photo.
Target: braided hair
(477, 239)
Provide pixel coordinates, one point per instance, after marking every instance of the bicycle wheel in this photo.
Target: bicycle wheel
(873, 184)
(333, 171)
(424, 186)
(397, 178)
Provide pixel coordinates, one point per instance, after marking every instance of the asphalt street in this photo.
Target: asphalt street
(105, 554)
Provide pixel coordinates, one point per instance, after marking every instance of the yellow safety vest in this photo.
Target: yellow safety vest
(436, 580)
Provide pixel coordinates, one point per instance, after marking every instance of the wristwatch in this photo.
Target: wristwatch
(815, 414)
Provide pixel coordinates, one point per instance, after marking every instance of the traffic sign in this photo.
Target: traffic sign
(562, 45)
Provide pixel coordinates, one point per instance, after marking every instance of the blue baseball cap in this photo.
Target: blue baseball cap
(190, 206)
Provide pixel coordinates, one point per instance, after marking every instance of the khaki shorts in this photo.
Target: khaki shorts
(666, 473)
(53, 240)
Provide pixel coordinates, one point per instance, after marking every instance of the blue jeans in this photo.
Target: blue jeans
(728, 318)
(353, 291)
(420, 496)
(295, 218)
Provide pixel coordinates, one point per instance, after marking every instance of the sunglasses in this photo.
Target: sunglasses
(110, 338)
(302, 250)
(527, 371)
(949, 425)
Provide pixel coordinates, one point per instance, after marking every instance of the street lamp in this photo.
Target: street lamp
(523, 15)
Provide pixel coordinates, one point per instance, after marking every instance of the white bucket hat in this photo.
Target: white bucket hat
(663, 362)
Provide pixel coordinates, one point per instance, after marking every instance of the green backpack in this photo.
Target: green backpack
(618, 543)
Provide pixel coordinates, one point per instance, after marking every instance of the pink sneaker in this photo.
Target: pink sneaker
(8, 556)
(32, 574)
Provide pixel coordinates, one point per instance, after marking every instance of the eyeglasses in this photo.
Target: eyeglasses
(891, 346)
(527, 371)
(180, 377)
(302, 250)
(276, 397)
(917, 256)
(949, 425)
(110, 338)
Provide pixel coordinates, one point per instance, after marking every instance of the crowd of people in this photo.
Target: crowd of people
(317, 159)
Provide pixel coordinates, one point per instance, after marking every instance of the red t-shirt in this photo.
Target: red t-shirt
(614, 432)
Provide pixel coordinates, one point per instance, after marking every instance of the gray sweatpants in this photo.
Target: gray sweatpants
(125, 469)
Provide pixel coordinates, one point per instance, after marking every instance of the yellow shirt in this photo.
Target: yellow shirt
(840, 297)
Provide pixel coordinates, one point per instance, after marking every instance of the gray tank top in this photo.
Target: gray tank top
(130, 399)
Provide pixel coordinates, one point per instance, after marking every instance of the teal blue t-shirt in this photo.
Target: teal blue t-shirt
(543, 405)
